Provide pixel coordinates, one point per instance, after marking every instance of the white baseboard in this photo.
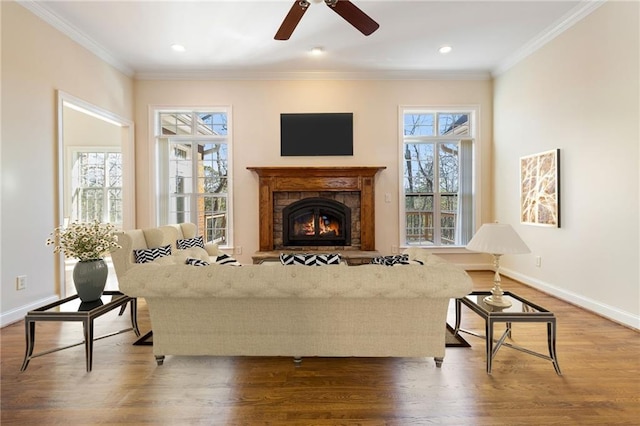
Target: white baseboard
(599, 308)
(19, 313)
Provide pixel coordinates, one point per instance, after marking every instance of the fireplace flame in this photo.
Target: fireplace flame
(326, 226)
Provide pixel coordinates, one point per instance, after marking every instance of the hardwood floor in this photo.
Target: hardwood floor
(600, 385)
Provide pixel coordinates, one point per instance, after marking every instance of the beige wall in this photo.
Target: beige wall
(256, 136)
(38, 60)
(81, 130)
(578, 93)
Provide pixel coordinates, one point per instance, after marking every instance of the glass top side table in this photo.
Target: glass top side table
(521, 310)
(73, 309)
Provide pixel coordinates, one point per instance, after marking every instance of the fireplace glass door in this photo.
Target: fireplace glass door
(317, 222)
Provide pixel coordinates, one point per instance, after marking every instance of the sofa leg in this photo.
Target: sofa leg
(159, 359)
(297, 361)
(439, 361)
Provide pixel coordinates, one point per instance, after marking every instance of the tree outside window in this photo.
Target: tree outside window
(194, 171)
(96, 186)
(433, 143)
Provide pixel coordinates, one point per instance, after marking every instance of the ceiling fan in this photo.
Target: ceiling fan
(349, 12)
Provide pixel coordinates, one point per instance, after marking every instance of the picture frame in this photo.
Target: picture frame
(540, 189)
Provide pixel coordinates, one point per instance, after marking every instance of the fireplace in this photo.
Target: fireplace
(316, 221)
(352, 186)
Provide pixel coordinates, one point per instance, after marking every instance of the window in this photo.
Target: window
(96, 186)
(436, 203)
(193, 171)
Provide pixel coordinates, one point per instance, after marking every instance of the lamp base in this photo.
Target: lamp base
(498, 301)
(496, 292)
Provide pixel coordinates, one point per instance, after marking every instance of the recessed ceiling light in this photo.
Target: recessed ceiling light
(445, 49)
(178, 48)
(317, 51)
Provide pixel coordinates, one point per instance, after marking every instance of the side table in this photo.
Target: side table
(521, 310)
(73, 309)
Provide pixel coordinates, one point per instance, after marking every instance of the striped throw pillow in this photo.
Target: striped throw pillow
(151, 254)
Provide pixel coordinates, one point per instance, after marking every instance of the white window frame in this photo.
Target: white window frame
(71, 154)
(161, 189)
(473, 189)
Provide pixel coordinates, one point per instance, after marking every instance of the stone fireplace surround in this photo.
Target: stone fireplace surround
(278, 183)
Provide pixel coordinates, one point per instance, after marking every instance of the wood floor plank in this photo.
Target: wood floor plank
(600, 385)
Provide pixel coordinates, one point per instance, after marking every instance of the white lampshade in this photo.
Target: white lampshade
(497, 238)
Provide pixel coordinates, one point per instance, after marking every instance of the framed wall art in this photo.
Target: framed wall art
(540, 189)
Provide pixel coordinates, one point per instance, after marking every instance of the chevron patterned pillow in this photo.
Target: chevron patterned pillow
(328, 259)
(298, 259)
(151, 254)
(196, 262)
(187, 243)
(309, 259)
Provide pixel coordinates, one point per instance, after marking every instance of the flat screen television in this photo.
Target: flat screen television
(315, 134)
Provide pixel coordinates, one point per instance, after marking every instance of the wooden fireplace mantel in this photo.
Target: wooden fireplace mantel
(281, 179)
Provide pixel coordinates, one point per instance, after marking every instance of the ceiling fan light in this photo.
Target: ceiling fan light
(178, 48)
(317, 51)
(445, 49)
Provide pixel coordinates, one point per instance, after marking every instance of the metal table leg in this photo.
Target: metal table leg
(551, 340)
(134, 315)
(88, 342)
(30, 336)
(456, 329)
(489, 339)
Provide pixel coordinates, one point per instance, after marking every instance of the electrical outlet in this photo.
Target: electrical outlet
(238, 249)
(387, 197)
(21, 282)
(538, 261)
(394, 249)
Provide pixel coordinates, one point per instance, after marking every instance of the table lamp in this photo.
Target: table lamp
(497, 239)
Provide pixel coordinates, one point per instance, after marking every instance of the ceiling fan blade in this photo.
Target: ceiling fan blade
(292, 19)
(353, 15)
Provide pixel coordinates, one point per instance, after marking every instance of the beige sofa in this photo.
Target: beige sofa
(298, 311)
(137, 239)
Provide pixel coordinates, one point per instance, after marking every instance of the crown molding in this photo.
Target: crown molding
(571, 18)
(40, 9)
(314, 75)
(586, 7)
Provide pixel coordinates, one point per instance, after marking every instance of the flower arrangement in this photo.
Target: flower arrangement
(86, 241)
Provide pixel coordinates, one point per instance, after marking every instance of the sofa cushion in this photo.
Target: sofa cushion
(179, 257)
(151, 254)
(170, 234)
(310, 259)
(190, 242)
(154, 237)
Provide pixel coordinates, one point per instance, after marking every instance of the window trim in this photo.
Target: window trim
(156, 195)
(474, 136)
(70, 153)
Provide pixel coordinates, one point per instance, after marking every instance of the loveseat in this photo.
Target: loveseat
(168, 235)
(295, 310)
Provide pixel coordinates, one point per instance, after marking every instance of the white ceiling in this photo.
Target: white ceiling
(234, 39)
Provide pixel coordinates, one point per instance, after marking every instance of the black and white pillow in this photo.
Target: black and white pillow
(151, 254)
(225, 259)
(196, 262)
(187, 243)
(399, 259)
(310, 259)
(328, 259)
(298, 259)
